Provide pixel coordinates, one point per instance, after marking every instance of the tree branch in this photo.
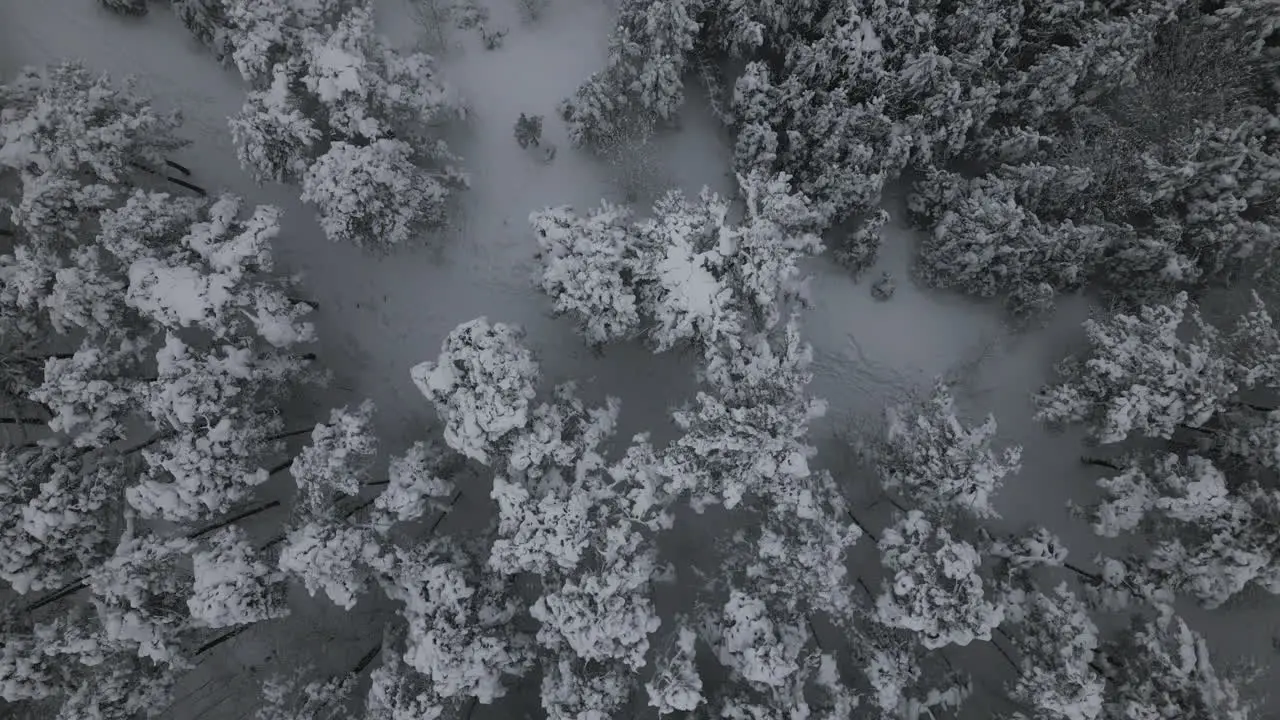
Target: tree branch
(22, 421)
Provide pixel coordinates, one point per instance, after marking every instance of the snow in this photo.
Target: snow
(380, 316)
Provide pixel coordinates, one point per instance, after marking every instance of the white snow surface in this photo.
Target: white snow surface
(381, 315)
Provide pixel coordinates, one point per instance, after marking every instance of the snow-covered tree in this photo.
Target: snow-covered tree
(140, 596)
(1210, 539)
(648, 51)
(414, 480)
(939, 464)
(126, 7)
(261, 35)
(577, 690)
(56, 514)
(754, 642)
(676, 685)
(372, 195)
(935, 589)
(231, 585)
(370, 90)
(63, 119)
(398, 692)
(274, 138)
(688, 275)
(604, 613)
(339, 457)
(459, 620)
(332, 557)
(796, 557)
(1161, 666)
(587, 266)
(986, 241)
(203, 470)
(89, 393)
(1056, 642)
(747, 435)
(1141, 377)
(78, 673)
(298, 697)
(481, 385)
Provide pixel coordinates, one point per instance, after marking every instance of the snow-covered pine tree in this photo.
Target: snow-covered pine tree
(460, 631)
(331, 556)
(274, 138)
(373, 195)
(338, 461)
(261, 35)
(300, 695)
(688, 274)
(1056, 642)
(676, 685)
(232, 585)
(335, 106)
(986, 240)
(1141, 377)
(1161, 665)
(70, 667)
(59, 510)
(747, 433)
(587, 268)
(937, 463)
(482, 385)
(643, 79)
(935, 589)
(140, 594)
(126, 7)
(414, 482)
(1211, 537)
(65, 120)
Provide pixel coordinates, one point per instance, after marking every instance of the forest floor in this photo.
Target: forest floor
(379, 316)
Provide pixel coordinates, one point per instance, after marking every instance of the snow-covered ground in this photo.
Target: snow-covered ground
(379, 316)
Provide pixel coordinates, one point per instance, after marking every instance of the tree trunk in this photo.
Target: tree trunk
(291, 433)
(220, 639)
(183, 183)
(234, 518)
(152, 441)
(1089, 460)
(1082, 572)
(1259, 408)
(452, 501)
(281, 467)
(180, 168)
(1005, 653)
(65, 591)
(368, 658)
(861, 527)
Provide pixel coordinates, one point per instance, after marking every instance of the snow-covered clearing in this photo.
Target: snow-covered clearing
(380, 316)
